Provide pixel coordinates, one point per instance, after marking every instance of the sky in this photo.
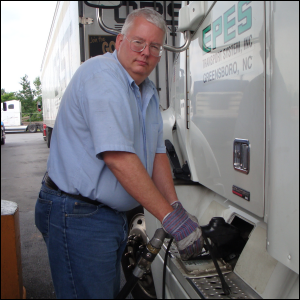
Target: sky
(25, 26)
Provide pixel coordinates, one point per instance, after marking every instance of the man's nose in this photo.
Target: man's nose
(146, 51)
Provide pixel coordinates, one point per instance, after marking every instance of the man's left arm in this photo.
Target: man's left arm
(162, 177)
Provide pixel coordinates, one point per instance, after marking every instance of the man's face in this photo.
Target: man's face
(139, 64)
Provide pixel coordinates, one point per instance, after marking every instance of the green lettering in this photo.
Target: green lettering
(218, 32)
(206, 39)
(247, 13)
(227, 25)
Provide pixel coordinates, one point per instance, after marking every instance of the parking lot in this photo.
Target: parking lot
(23, 164)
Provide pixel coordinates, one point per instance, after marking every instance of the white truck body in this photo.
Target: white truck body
(234, 118)
(12, 116)
(74, 37)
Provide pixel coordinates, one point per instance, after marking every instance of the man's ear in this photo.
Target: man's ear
(119, 40)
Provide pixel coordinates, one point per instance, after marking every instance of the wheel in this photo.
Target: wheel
(137, 238)
(32, 128)
(3, 141)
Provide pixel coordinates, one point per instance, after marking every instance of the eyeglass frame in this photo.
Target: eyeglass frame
(146, 44)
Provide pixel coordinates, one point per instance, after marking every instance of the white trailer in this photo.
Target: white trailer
(75, 36)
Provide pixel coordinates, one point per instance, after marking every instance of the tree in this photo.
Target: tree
(26, 96)
(38, 87)
(8, 96)
(38, 92)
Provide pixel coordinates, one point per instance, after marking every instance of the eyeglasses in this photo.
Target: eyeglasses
(140, 45)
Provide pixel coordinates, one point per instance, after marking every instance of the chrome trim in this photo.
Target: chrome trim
(99, 16)
(187, 36)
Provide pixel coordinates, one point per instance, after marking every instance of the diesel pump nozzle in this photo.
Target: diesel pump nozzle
(143, 264)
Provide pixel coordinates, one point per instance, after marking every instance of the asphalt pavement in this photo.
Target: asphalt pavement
(23, 164)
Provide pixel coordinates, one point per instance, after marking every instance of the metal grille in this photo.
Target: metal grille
(211, 288)
(204, 279)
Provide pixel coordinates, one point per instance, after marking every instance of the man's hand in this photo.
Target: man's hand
(185, 230)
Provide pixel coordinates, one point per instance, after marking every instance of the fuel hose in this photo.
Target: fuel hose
(165, 268)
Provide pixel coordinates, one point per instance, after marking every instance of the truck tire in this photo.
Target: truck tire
(49, 134)
(137, 237)
(32, 128)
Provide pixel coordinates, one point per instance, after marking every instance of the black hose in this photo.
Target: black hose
(128, 287)
(165, 267)
(225, 287)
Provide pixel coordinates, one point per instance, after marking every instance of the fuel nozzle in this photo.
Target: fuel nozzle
(220, 232)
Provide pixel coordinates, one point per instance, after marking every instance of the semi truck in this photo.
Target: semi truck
(11, 116)
(230, 106)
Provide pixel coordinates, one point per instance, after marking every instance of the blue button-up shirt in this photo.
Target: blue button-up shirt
(102, 110)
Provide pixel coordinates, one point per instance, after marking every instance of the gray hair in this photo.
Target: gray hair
(150, 15)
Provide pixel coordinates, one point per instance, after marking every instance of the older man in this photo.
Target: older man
(107, 156)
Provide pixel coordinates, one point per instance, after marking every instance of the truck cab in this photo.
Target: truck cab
(229, 88)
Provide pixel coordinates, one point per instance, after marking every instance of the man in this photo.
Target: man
(107, 156)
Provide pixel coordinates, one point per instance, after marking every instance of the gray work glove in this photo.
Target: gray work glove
(185, 230)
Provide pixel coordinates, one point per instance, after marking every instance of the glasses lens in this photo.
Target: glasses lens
(156, 50)
(139, 46)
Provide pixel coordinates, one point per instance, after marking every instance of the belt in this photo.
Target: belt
(51, 185)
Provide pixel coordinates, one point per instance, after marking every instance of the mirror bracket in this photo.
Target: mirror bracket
(187, 34)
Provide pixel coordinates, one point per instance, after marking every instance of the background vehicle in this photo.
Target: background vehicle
(232, 135)
(11, 115)
(2, 133)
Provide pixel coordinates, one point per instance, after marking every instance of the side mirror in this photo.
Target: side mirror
(4, 106)
(190, 16)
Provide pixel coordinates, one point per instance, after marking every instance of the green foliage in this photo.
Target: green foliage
(8, 96)
(38, 87)
(29, 98)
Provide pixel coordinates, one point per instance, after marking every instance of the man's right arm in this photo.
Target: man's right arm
(132, 175)
(134, 178)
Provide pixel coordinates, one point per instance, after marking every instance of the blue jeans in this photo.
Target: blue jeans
(85, 244)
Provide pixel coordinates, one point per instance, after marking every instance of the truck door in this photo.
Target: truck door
(225, 98)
